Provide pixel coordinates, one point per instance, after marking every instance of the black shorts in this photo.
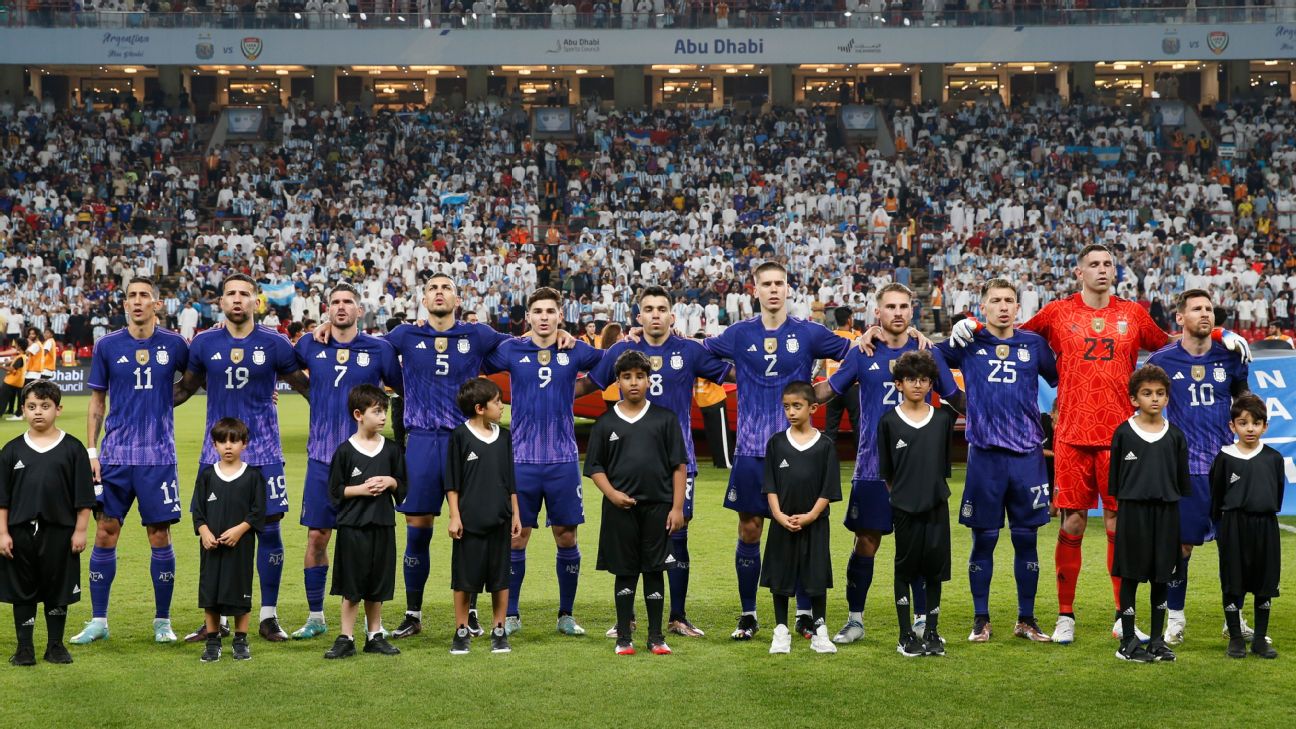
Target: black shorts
(633, 541)
(922, 543)
(364, 563)
(1147, 541)
(1250, 556)
(480, 562)
(43, 568)
(801, 562)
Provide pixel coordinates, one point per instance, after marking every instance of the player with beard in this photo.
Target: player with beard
(238, 365)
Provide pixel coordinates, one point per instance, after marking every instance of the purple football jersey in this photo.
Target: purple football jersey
(435, 364)
(1201, 395)
(1001, 379)
(335, 368)
(677, 364)
(137, 374)
(877, 395)
(542, 383)
(240, 376)
(767, 360)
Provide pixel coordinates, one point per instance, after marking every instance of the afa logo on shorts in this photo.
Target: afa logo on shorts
(732, 496)
(967, 510)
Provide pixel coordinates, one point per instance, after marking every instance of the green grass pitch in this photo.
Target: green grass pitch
(551, 680)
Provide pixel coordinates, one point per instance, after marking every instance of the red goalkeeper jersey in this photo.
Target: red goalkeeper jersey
(1096, 353)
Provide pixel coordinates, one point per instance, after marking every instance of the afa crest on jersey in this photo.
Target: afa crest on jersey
(793, 345)
(464, 346)
(258, 357)
(442, 344)
(1023, 354)
(656, 362)
(1220, 375)
(1198, 372)
(162, 357)
(142, 356)
(1098, 323)
(1001, 351)
(677, 362)
(343, 356)
(544, 357)
(1122, 327)
(563, 359)
(771, 345)
(362, 359)
(236, 355)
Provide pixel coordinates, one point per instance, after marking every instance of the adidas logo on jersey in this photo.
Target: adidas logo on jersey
(1178, 376)
(471, 456)
(613, 437)
(624, 591)
(321, 355)
(783, 464)
(216, 357)
(980, 351)
(421, 345)
(1130, 456)
(874, 367)
(901, 444)
(211, 498)
(1234, 478)
(122, 360)
(751, 348)
(525, 360)
(18, 465)
(355, 472)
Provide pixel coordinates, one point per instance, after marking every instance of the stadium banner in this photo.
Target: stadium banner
(471, 47)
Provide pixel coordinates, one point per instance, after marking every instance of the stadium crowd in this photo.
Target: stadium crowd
(685, 199)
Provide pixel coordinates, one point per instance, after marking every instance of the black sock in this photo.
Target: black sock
(1261, 626)
(24, 624)
(413, 601)
(1233, 616)
(933, 605)
(780, 609)
(901, 590)
(624, 587)
(55, 623)
(214, 638)
(1159, 592)
(1128, 593)
(240, 636)
(819, 609)
(654, 584)
(472, 601)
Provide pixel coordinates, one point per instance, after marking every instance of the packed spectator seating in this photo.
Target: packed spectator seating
(688, 199)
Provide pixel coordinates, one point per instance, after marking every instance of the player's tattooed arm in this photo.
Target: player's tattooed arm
(185, 387)
(298, 381)
(823, 392)
(94, 425)
(585, 386)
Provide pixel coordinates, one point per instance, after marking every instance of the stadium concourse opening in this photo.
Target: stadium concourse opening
(205, 88)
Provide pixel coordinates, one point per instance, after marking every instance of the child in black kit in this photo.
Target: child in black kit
(1149, 474)
(483, 511)
(1247, 485)
(228, 502)
(636, 457)
(801, 478)
(45, 500)
(913, 459)
(366, 482)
